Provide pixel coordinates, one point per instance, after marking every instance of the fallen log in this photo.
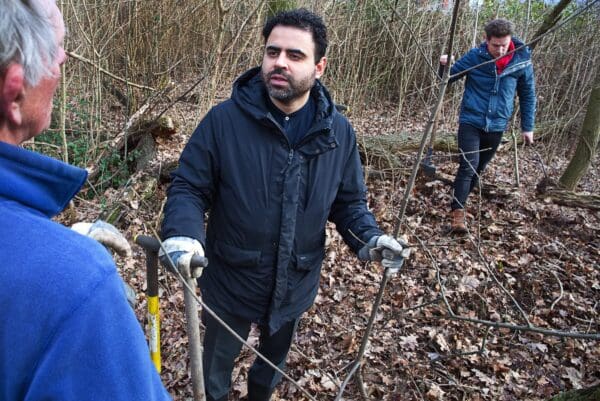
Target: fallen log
(386, 154)
(584, 394)
(137, 131)
(550, 192)
(117, 143)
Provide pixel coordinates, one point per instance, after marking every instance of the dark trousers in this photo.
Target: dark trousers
(477, 148)
(221, 349)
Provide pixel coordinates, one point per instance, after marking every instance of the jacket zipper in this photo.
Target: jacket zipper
(309, 135)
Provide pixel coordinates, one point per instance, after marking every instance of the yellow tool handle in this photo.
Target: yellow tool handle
(154, 331)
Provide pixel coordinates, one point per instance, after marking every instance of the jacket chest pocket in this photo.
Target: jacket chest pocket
(236, 257)
(307, 261)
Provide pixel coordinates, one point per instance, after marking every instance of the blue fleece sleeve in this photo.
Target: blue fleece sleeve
(98, 353)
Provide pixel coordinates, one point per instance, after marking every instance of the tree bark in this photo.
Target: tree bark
(588, 140)
(571, 199)
(550, 20)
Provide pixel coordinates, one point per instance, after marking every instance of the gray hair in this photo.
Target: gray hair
(27, 37)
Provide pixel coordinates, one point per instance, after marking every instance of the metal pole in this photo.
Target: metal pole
(193, 332)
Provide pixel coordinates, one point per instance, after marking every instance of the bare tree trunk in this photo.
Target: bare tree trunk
(550, 20)
(588, 140)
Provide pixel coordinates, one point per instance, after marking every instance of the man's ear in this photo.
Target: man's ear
(12, 87)
(320, 67)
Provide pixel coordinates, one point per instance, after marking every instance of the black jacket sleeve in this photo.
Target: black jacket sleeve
(349, 212)
(193, 185)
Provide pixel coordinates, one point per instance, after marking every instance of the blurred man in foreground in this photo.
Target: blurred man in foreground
(67, 332)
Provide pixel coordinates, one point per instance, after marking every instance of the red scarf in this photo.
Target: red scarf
(503, 62)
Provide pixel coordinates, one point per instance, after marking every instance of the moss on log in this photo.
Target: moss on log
(585, 394)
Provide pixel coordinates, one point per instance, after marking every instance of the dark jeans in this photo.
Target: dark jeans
(221, 349)
(473, 160)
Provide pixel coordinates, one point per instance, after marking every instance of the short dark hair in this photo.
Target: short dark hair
(498, 28)
(303, 19)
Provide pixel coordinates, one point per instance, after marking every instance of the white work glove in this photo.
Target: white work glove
(527, 136)
(387, 250)
(108, 235)
(444, 59)
(179, 251)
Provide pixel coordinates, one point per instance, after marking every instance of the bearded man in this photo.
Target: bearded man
(271, 165)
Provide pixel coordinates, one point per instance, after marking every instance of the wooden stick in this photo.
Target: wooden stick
(102, 70)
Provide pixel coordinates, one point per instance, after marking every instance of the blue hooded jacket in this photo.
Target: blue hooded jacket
(488, 99)
(67, 331)
(269, 202)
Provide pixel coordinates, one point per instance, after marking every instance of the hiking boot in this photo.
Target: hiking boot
(458, 225)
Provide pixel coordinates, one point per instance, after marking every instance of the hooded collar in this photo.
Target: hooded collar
(250, 93)
(37, 181)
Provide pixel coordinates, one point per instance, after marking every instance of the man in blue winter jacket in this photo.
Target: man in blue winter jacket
(67, 331)
(487, 105)
(273, 164)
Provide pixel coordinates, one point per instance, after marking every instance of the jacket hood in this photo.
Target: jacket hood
(250, 94)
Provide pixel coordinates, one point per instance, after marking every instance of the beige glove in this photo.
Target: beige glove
(106, 234)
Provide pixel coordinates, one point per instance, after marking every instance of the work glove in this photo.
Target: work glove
(108, 235)
(387, 250)
(180, 251)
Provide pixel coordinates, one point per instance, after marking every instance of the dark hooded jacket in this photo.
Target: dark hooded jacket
(268, 201)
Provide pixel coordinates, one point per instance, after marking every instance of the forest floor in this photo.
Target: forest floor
(525, 262)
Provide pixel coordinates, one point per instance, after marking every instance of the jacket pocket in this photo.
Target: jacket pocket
(309, 260)
(236, 257)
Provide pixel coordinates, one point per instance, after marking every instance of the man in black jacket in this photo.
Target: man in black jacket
(273, 164)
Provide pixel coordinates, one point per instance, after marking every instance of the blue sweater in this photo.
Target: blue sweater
(488, 99)
(67, 332)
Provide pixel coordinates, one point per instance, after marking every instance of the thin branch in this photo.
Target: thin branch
(110, 74)
(557, 300)
(430, 124)
(487, 264)
(412, 35)
(535, 329)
